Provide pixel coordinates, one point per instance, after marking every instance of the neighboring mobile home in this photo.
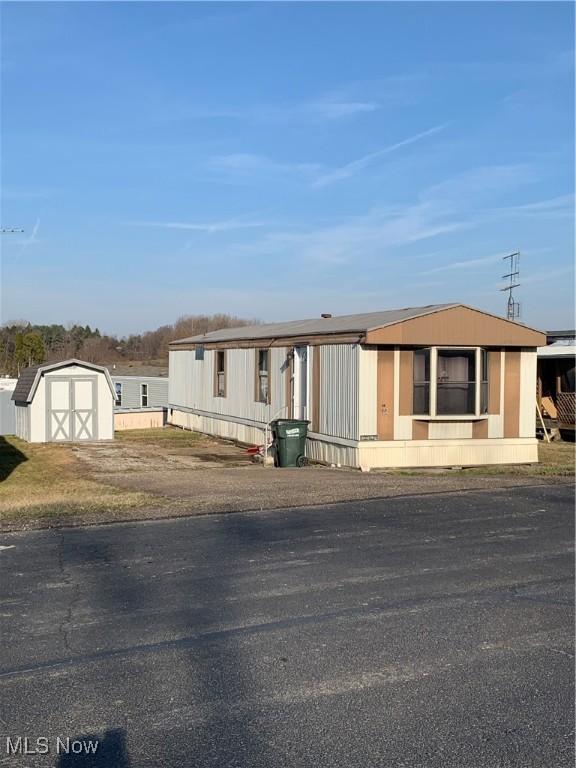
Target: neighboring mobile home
(141, 401)
(556, 382)
(441, 385)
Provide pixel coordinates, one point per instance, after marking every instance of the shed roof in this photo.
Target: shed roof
(321, 325)
(29, 378)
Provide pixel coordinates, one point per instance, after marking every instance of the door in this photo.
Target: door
(59, 409)
(84, 409)
(71, 408)
(300, 380)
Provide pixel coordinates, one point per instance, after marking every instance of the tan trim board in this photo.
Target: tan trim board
(420, 430)
(385, 394)
(406, 376)
(512, 369)
(480, 428)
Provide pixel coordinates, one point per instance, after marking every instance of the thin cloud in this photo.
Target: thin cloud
(466, 264)
(208, 227)
(242, 166)
(26, 242)
(350, 169)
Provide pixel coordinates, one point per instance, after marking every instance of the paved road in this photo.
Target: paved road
(427, 631)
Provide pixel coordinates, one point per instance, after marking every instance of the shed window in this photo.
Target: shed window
(199, 352)
(456, 382)
(144, 395)
(262, 384)
(220, 373)
(118, 389)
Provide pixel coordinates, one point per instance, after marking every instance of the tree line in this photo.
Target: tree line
(23, 343)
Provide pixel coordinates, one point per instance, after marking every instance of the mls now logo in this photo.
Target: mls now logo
(23, 745)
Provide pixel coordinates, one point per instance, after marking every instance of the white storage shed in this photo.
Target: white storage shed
(64, 402)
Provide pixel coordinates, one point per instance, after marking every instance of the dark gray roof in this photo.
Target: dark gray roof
(28, 379)
(321, 325)
(25, 383)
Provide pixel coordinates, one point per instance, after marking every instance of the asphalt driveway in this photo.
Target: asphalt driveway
(428, 631)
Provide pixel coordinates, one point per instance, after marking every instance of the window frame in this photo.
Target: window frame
(481, 384)
(258, 397)
(220, 354)
(143, 394)
(118, 393)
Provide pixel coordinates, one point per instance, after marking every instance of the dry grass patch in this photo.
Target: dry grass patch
(162, 437)
(556, 459)
(46, 480)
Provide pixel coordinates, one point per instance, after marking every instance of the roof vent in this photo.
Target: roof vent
(325, 315)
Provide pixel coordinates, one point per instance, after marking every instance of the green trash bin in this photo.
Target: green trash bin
(290, 442)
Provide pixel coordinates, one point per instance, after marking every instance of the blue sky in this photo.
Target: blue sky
(282, 160)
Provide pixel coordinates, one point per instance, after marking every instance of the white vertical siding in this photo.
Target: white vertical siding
(527, 393)
(367, 391)
(339, 390)
(191, 384)
(23, 422)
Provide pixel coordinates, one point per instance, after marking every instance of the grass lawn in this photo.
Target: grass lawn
(45, 480)
(163, 437)
(555, 459)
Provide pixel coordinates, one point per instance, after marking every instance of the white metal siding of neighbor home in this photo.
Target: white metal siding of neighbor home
(191, 384)
(132, 386)
(7, 413)
(339, 390)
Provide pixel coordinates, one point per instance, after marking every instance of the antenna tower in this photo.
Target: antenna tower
(512, 307)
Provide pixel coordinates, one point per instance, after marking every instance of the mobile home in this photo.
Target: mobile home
(439, 385)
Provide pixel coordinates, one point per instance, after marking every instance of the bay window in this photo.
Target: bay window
(450, 382)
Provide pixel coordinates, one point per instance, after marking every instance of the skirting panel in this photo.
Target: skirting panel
(332, 453)
(448, 453)
(139, 420)
(380, 454)
(230, 430)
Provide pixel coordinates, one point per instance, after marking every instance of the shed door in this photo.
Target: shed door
(84, 409)
(59, 395)
(72, 412)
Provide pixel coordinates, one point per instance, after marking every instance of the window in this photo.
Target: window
(118, 388)
(144, 395)
(450, 382)
(456, 382)
(199, 352)
(421, 400)
(566, 376)
(262, 381)
(220, 378)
